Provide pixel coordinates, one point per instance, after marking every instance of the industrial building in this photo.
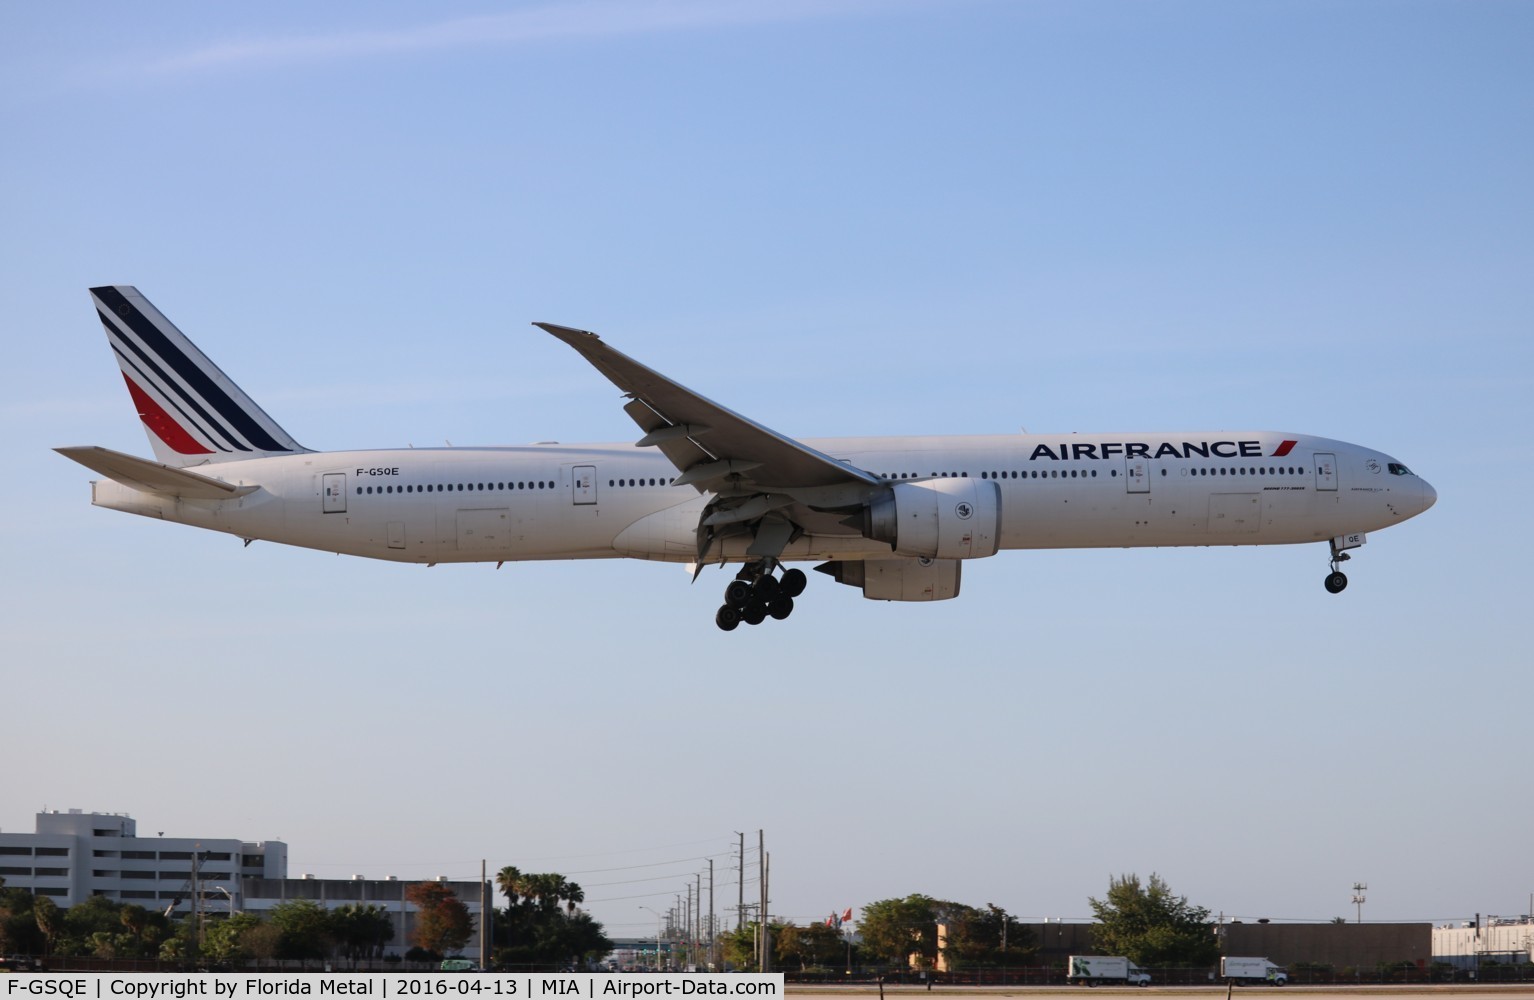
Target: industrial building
(74, 855)
(1485, 941)
(1339, 946)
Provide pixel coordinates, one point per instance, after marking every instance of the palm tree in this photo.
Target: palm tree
(135, 919)
(509, 881)
(49, 921)
(545, 889)
(573, 894)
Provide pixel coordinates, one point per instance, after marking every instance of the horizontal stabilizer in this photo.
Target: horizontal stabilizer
(152, 477)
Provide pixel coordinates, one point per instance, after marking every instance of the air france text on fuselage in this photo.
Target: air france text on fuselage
(1075, 451)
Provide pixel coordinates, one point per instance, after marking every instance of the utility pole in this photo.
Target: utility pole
(484, 917)
(713, 960)
(740, 871)
(686, 924)
(764, 936)
(1358, 899)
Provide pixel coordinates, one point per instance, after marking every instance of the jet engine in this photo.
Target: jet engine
(936, 519)
(899, 579)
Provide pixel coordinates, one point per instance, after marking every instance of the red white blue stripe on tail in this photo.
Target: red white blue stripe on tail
(194, 413)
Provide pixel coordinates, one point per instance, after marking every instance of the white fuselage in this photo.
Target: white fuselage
(615, 500)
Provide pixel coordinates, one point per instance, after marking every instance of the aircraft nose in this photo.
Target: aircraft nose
(1428, 494)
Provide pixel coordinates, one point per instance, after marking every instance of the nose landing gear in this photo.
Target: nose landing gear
(755, 595)
(1336, 580)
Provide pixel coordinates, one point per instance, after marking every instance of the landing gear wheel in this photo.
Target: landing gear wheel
(754, 613)
(766, 588)
(737, 593)
(793, 582)
(1336, 583)
(780, 607)
(727, 618)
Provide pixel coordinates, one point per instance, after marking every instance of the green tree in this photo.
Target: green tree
(985, 938)
(579, 939)
(813, 945)
(93, 927)
(509, 881)
(305, 930)
(542, 925)
(229, 941)
(573, 895)
(135, 920)
(361, 931)
(739, 946)
(442, 922)
(50, 921)
(1152, 926)
(896, 930)
(19, 933)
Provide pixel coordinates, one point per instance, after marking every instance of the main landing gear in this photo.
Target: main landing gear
(756, 595)
(1336, 580)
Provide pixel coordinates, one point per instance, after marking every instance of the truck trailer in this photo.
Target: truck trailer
(1093, 969)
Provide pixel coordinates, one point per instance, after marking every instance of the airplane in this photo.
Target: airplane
(896, 517)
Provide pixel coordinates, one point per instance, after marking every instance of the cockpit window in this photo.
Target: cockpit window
(1397, 469)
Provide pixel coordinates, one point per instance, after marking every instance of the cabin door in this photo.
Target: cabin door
(333, 487)
(1137, 475)
(583, 484)
(1326, 471)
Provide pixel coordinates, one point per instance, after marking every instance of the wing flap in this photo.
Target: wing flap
(152, 477)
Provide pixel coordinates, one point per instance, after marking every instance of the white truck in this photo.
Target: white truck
(1094, 969)
(1250, 970)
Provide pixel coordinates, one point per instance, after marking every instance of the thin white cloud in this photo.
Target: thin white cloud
(574, 20)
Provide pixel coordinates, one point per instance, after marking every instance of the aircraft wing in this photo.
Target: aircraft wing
(713, 448)
(153, 477)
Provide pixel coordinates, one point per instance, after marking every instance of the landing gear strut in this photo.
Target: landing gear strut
(1336, 580)
(755, 595)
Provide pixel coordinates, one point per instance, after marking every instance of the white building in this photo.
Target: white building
(1498, 939)
(261, 896)
(75, 855)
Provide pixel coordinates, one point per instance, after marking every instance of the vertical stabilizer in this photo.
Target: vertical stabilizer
(193, 412)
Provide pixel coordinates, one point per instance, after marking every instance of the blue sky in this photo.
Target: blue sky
(838, 218)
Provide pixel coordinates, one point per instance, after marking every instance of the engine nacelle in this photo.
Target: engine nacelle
(899, 579)
(937, 519)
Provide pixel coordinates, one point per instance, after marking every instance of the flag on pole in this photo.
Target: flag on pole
(848, 914)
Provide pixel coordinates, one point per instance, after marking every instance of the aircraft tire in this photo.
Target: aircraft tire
(781, 607)
(754, 613)
(727, 618)
(766, 588)
(737, 593)
(1336, 583)
(794, 581)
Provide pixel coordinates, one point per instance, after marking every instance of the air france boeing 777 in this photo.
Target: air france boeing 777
(894, 516)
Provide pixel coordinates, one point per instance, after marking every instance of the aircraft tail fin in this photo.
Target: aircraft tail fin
(192, 411)
(153, 477)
